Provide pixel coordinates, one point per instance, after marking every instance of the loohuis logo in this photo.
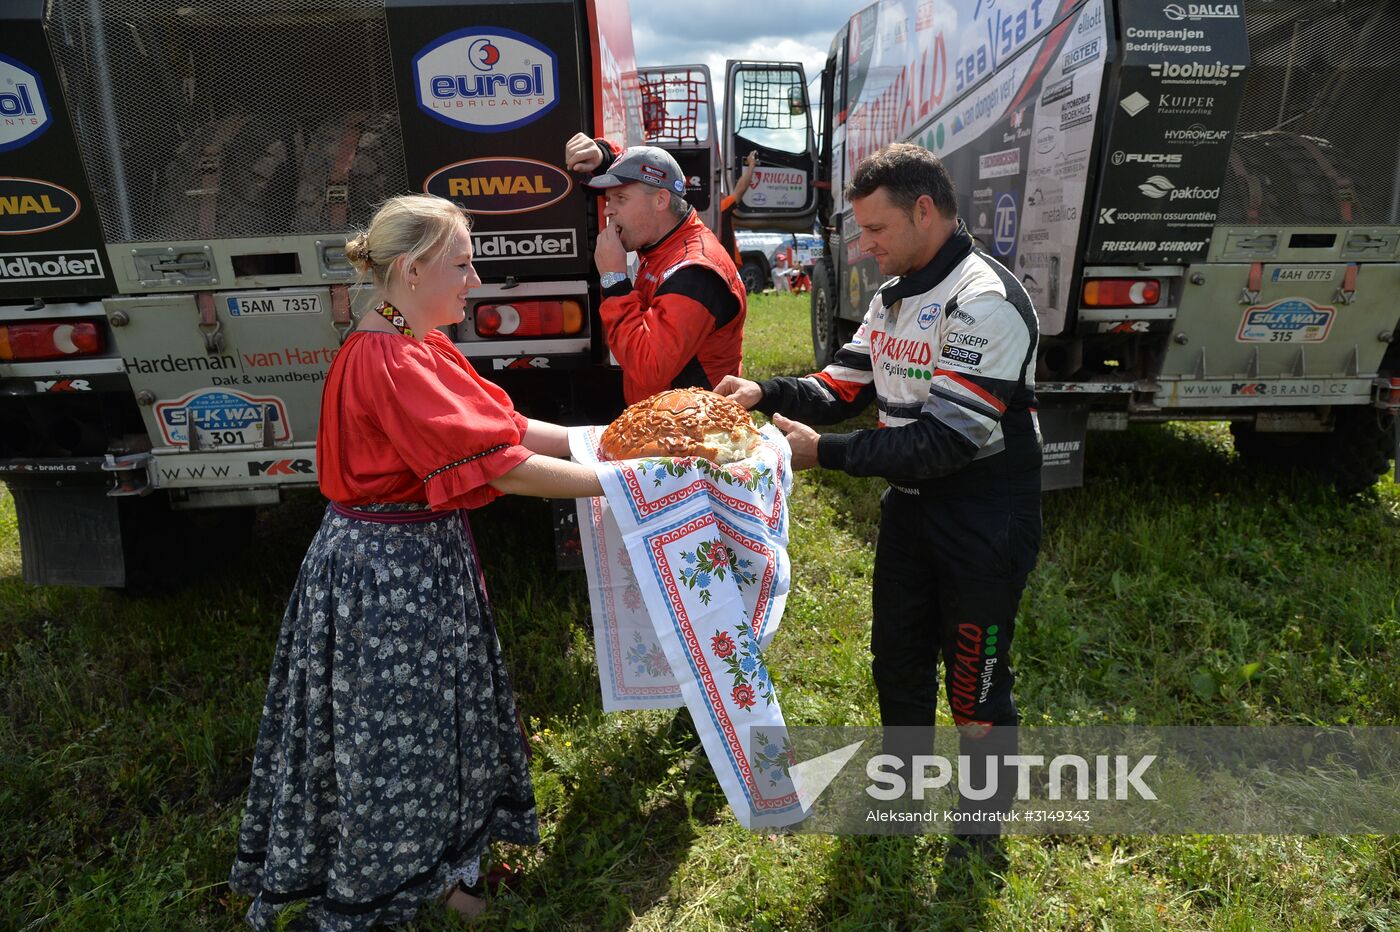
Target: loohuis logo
(28, 205)
(484, 81)
(500, 185)
(24, 113)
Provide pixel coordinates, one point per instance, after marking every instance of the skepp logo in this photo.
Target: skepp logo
(486, 81)
(24, 111)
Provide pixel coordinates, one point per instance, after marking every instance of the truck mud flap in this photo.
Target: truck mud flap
(1062, 432)
(69, 536)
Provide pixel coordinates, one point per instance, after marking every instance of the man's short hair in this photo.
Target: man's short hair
(906, 172)
(678, 206)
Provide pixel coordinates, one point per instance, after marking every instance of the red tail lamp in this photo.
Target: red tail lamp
(1121, 292)
(31, 342)
(529, 319)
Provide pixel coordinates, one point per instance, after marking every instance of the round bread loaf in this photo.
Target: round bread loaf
(682, 422)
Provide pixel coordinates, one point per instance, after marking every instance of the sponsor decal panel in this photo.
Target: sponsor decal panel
(1288, 320)
(50, 265)
(777, 188)
(30, 205)
(1004, 164)
(500, 185)
(221, 416)
(487, 81)
(508, 245)
(24, 108)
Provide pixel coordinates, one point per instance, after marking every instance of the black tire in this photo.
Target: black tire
(1351, 457)
(826, 321)
(752, 274)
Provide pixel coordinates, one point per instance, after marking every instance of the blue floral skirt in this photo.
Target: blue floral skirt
(389, 755)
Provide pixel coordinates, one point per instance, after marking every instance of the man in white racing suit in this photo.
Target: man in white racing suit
(947, 352)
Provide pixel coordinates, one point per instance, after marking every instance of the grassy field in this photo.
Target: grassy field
(1175, 588)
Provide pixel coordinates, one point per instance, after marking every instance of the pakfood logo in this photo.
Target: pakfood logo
(500, 185)
(24, 110)
(1156, 187)
(486, 81)
(28, 205)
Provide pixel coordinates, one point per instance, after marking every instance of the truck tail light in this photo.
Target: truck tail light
(54, 340)
(529, 319)
(1121, 292)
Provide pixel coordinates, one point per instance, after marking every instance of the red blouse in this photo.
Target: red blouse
(409, 421)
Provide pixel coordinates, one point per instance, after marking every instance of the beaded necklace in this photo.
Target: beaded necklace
(394, 316)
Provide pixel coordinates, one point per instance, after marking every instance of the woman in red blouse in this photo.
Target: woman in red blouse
(389, 755)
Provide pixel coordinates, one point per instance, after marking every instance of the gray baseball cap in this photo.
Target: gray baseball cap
(646, 164)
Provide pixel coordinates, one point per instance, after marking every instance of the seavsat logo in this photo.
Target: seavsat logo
(487, 81)
(24, 111)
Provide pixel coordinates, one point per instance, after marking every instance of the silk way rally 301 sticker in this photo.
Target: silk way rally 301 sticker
(1288, 320)
(221, 416)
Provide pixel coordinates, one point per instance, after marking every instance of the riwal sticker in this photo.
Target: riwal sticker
(24, 109)
(1289, 320)
(500, 185)
(221, 416)
(488, 81)
(29, 205)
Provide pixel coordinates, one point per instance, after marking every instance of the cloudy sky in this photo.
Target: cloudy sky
(672, 33)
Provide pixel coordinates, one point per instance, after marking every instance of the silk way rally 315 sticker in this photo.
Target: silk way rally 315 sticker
(1288, 320)
(221, 416)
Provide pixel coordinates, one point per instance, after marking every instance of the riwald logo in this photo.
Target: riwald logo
(486, 81)
(29, 205)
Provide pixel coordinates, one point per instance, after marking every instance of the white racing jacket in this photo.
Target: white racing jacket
(948, 354)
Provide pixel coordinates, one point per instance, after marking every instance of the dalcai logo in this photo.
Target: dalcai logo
(24, 110)
(486, 81)
(1177, 12)
(28, 205)
(500, 185)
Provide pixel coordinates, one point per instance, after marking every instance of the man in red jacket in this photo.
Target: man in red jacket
(681, 324)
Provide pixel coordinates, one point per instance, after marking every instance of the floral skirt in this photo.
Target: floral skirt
(389, 754)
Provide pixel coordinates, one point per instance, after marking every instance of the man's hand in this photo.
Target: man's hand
(751, 162)
(743, 391)
(610, 255)
(802, 439)
(581, 154)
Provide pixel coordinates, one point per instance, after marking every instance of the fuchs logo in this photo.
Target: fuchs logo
(486, 81)
(500, 185)
(1196, 70)
(1145, 158)
(24, 111)
(1176, 12)
(28, 205)
(1194, 135)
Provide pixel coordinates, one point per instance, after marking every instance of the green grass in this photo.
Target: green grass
(1176, 587)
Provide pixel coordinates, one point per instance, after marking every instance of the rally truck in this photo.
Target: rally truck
(177, 183)
(1202, 199)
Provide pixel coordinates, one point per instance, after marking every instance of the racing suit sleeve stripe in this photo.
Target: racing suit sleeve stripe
(653, 344)
(960, 399)
(966, 383)
(955, 413)
(811, 400)
(845, 389)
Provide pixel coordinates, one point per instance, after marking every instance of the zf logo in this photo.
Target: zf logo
(281, 468)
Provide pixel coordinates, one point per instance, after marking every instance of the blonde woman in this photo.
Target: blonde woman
(389, 755)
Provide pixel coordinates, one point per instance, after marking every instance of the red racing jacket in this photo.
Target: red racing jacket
(682, 323)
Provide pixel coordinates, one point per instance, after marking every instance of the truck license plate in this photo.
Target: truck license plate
(274, 302)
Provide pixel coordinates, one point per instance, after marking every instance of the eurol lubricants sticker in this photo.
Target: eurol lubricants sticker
(1289, 320)
(221, 417)
(486, 80)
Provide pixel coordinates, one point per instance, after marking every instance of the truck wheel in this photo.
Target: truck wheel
(752, 275)
(1352, 457)
(826, 338)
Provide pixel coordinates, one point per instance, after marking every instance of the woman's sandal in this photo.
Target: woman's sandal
(467, 902)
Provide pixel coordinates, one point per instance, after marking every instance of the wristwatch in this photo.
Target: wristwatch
(608, 279)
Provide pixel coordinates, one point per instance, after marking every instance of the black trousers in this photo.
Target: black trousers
(949, 573)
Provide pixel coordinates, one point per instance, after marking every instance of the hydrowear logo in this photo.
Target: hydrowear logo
(24, 110)
(487, 82)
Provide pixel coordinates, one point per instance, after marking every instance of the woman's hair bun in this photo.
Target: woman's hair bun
(357, 252)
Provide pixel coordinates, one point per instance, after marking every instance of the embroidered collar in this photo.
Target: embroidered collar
(394, 316)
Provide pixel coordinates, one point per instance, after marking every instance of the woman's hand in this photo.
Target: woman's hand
(547, 477)
(544, 437)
